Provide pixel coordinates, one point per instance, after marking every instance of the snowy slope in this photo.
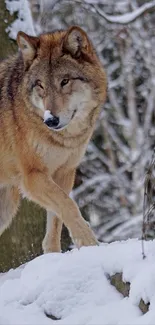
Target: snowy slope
(74, 287)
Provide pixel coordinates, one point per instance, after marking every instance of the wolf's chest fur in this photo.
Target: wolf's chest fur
(54, 156)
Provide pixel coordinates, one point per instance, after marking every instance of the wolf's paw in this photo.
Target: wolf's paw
(83, 236)
(50, 245)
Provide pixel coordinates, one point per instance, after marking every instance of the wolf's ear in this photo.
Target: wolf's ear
(28, 46)
(76, 42)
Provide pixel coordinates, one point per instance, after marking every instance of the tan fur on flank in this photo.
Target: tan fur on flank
(59, 72)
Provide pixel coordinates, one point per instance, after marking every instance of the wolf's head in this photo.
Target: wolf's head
(63, 81)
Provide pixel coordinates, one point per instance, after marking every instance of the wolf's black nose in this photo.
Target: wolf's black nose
(52, 122)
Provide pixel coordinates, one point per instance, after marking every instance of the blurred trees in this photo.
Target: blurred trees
(111, 176)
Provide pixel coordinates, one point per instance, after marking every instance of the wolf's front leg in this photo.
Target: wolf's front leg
(52, 241)
(44, 191)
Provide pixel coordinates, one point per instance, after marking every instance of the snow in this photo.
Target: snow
(24, 21)
(47, 115)
(74, 287)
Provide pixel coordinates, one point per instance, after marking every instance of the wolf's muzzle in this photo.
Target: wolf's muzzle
(52, 122)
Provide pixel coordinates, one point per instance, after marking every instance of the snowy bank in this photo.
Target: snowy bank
(74, 288)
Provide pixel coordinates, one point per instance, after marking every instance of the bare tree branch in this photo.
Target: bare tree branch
(128, 17)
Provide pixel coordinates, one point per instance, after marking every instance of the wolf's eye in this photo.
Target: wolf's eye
(64, 82)
(38, 83)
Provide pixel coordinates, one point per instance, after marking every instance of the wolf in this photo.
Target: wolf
(51, 93)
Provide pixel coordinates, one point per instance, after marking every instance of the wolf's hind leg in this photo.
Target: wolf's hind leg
(9, 202)
(51, 242)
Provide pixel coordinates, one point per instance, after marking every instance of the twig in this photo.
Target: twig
(128, 17)
(148, 191)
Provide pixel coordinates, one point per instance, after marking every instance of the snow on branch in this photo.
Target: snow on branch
(128, 17)
(24, 20)
(118, 19)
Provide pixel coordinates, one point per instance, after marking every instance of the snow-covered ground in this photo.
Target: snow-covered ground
(74, 287)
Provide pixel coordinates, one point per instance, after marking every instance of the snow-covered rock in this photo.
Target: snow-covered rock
(74, 288)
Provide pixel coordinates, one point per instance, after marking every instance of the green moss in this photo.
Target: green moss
(124, 288)
(22, 241)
